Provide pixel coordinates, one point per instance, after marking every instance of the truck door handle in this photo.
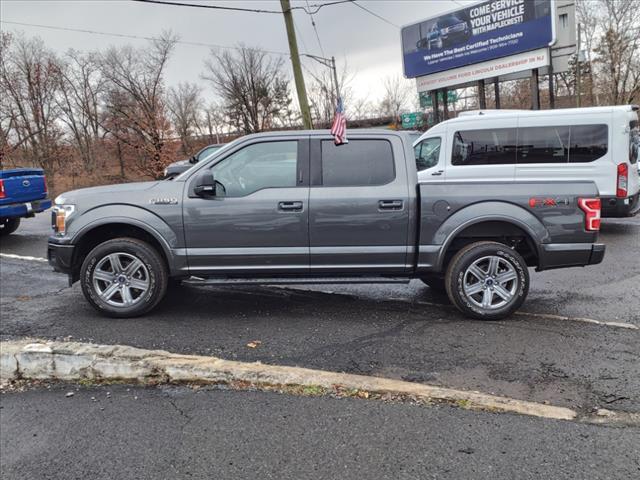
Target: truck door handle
(439, 172)
(390, 204)
(290, 206)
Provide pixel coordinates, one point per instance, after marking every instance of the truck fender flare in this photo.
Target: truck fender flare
(139, 218)
(474, 214)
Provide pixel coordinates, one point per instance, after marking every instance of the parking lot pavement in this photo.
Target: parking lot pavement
(175, 432)
(567, 363)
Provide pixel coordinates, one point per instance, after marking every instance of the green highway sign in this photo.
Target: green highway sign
(411, 120)
(425, 98)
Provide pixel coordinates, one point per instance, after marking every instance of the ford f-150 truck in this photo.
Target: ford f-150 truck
(23, 193)
(293, 207)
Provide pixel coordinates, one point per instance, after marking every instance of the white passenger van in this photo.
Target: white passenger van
(600, 144)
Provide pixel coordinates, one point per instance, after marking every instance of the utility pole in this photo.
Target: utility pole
(295, 62)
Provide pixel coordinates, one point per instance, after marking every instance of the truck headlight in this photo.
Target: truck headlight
(60, 215)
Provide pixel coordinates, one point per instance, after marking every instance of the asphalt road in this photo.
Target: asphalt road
(167, 433)
(373, 330)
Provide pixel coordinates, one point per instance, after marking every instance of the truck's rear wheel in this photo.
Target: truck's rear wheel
(8, 225)
(487, 280)
(124, 277)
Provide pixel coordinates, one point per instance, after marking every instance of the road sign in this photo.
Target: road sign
(425, 98)
(411, 120)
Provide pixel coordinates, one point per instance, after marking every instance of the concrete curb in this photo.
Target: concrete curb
(73, 361)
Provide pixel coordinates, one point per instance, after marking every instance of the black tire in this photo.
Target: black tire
(434, 282)
(8, 225)
(151, 272)
(509, 263)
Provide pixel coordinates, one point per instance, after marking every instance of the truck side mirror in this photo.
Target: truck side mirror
(205, 184)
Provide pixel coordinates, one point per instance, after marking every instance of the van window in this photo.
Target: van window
(543, 145)
(357, 163)
(427, 153)
(588, 143)
(634, 141)
(484, 147)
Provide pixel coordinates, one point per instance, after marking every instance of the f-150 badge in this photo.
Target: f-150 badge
(164, 201)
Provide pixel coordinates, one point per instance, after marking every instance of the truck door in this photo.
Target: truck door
(257, 221)
(358, 206)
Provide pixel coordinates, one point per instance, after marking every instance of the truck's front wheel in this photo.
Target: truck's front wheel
(124, 277)
(487, 280)
(8, 225)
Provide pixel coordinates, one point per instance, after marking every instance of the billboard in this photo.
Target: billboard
(478, 33)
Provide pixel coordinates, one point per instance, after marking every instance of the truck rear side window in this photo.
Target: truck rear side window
(358, 163)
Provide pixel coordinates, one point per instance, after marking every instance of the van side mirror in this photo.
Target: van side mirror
(205, 184)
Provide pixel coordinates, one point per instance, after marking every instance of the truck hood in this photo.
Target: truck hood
(118, 191)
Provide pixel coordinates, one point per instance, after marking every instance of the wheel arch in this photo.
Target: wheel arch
(509, 220)
(95, 233)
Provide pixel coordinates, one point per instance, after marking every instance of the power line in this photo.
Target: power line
(374, 14)
(137, 37)
(313, 23)
(240, 9)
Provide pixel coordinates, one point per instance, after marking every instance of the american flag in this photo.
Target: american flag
(339, 127)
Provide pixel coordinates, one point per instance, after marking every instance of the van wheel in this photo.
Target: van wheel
(487, 280)
(434, 282)
(124, 277)
(8, 225)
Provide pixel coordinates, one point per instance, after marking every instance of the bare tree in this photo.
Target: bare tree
(185, 103)
(618, 50)
(397, 96)
(81, 86)
(322, 93)
(253, 87)
(135, 105)
(29, 82)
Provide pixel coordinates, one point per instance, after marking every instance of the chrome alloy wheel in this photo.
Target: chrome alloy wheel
(121, 279)
(490, 282)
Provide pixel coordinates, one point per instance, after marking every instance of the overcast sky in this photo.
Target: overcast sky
(370, 46)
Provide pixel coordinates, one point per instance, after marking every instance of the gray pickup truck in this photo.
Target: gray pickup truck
(292, 207)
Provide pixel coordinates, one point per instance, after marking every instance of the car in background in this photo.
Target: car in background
(23, 193)
(447, 31)
(176, 168)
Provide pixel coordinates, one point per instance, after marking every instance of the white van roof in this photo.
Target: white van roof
(468, 115)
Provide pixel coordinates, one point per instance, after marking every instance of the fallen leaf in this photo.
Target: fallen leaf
(254, 344)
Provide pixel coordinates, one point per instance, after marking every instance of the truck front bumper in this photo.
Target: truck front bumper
(24, 209)
(562, 255)
(60, 257)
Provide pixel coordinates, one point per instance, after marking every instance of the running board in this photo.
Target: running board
(291, 281)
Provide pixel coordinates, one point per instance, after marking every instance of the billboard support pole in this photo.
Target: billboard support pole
(445, 106)
(435, 106)
(482, 99)
(552, 96)
(496, 91)
(535, 90)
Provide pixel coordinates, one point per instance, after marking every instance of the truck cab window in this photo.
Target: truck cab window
(427, 153)
(358, 163)
(258, 166)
